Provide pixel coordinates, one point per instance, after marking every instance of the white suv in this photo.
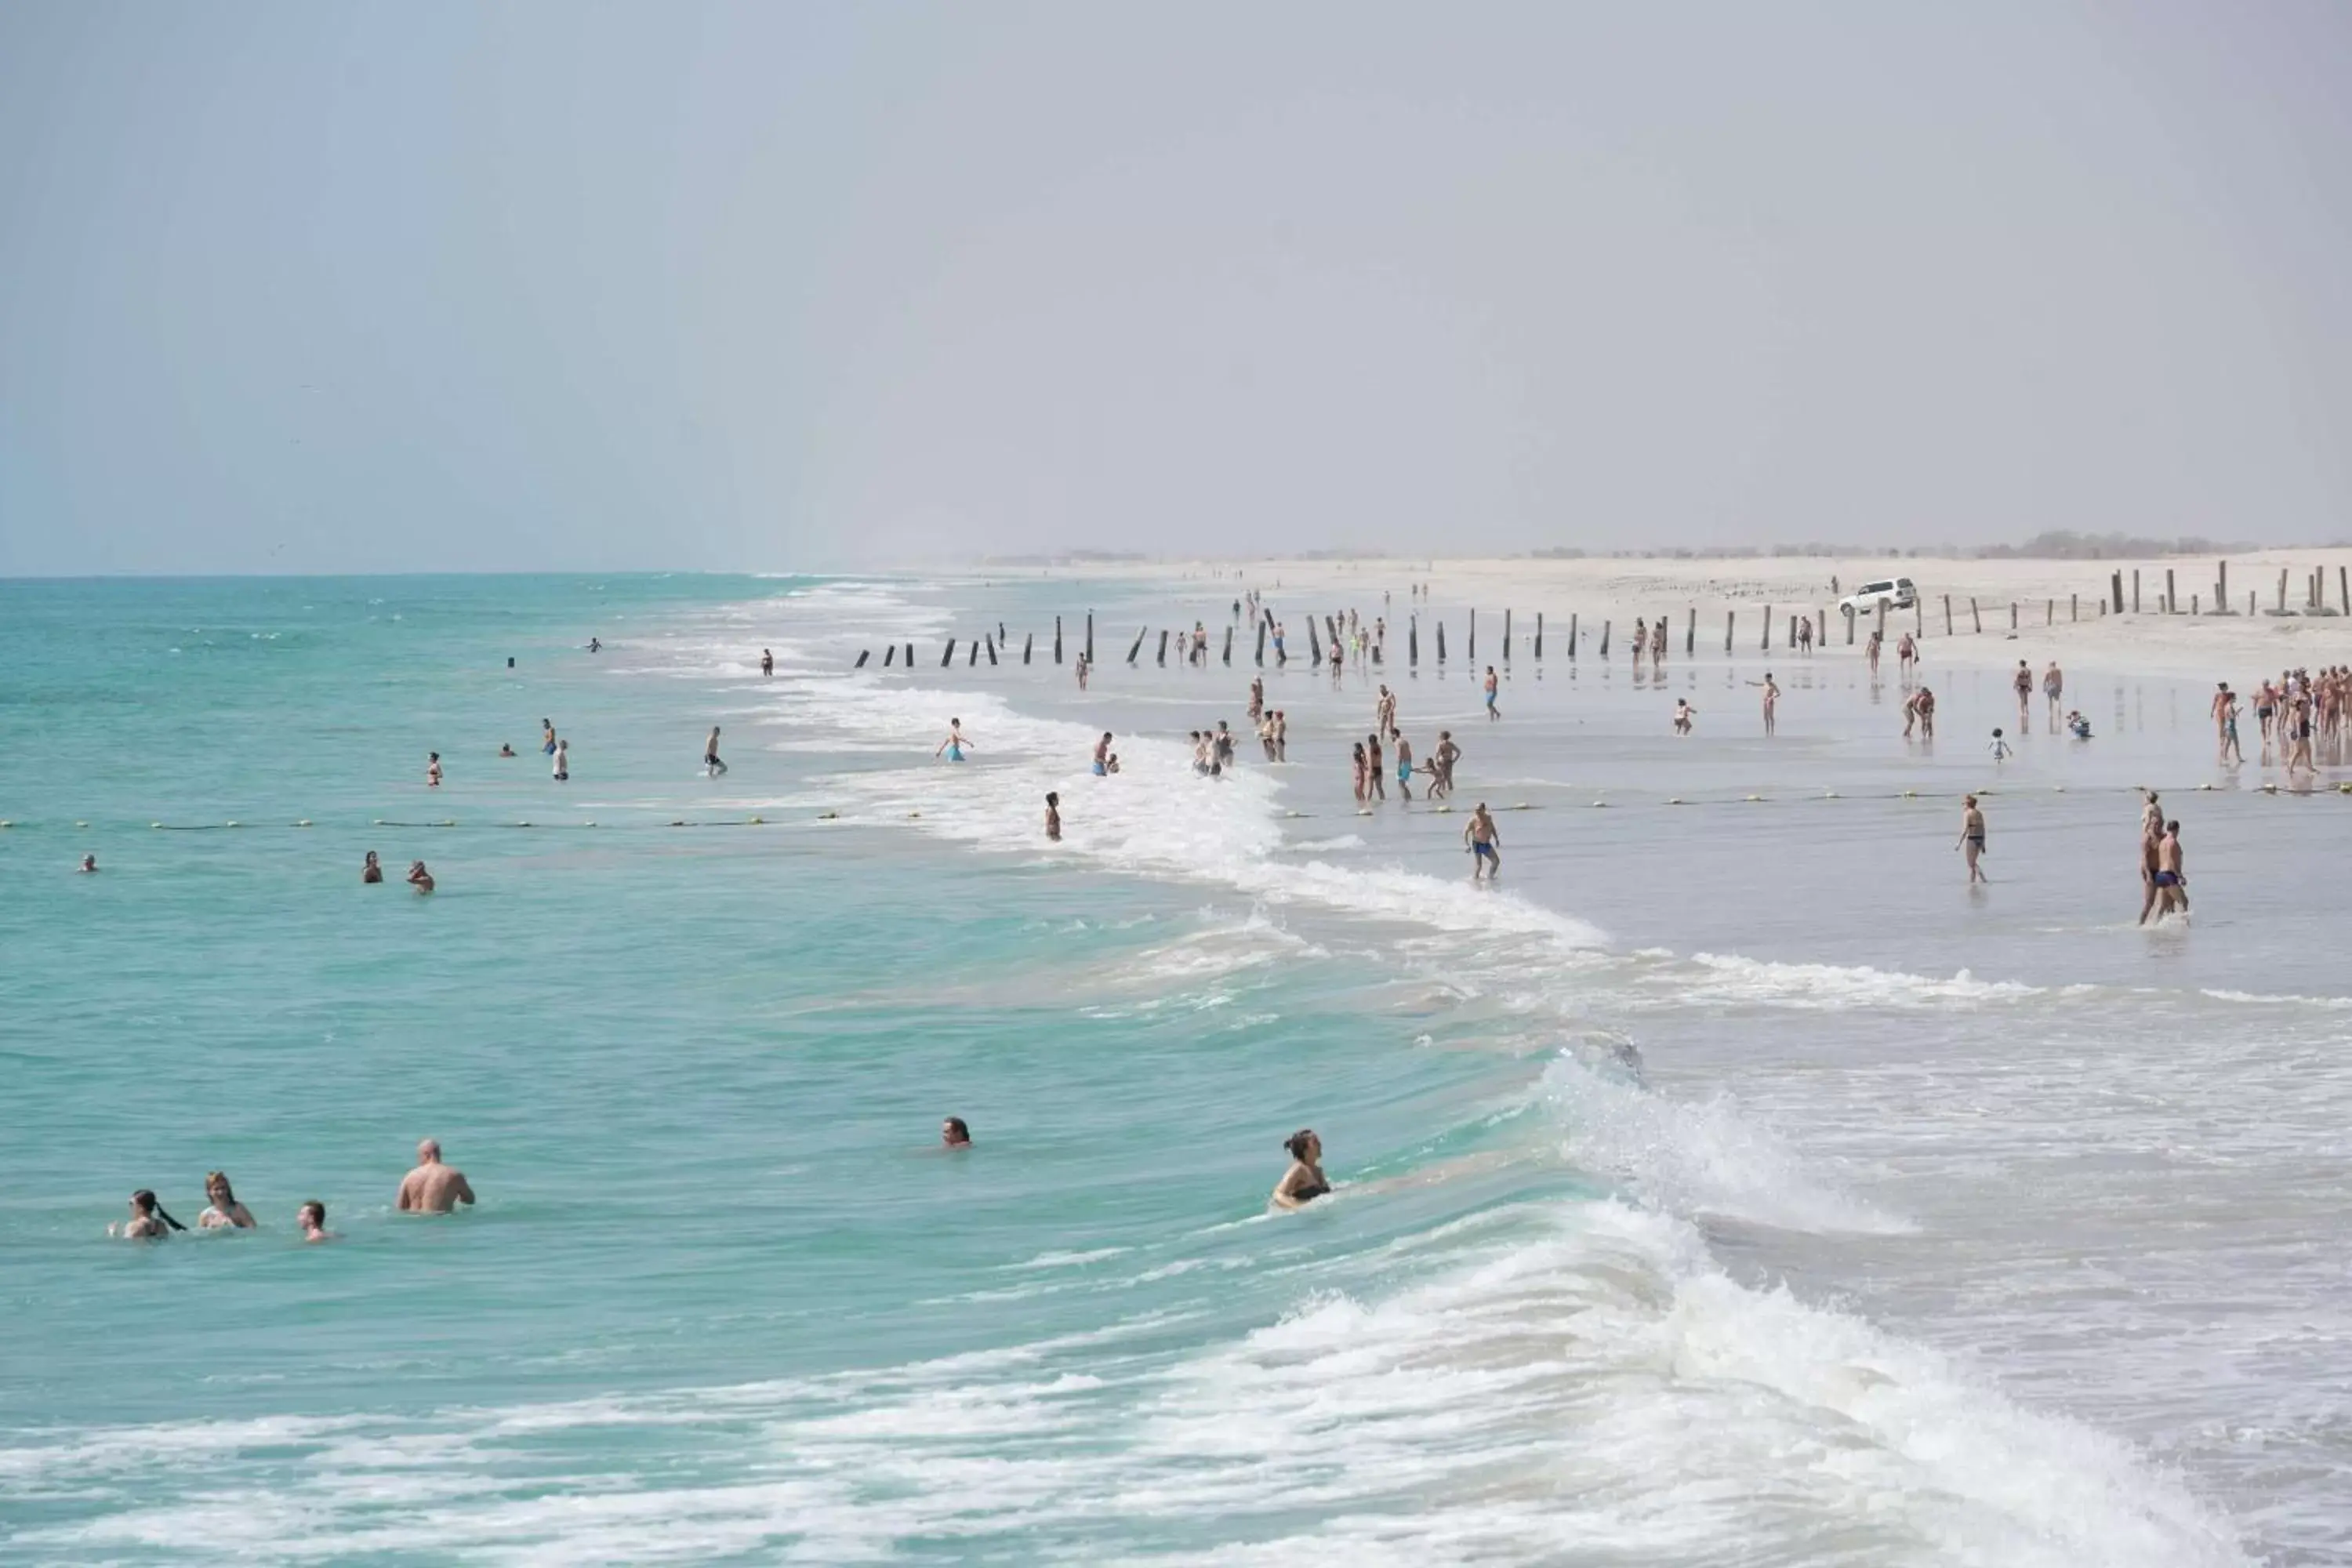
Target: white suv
(1896, 594)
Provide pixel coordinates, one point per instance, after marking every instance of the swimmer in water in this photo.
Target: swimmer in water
(594, 645)
(767, 662)
(956, 742)
(1304, 1182)
(1112, 766)
(547, 737)
(955, 1133)
(432, 1187)
(89, 865)
(312, 1219)
(1102, 755)
(505, 749)
(711, 766)
(432, 770)
(419, 877)
(373, 870)
(147, 1221)
(1053, 816)
(222, 1212)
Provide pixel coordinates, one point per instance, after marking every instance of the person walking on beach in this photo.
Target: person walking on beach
(1359, 773)
(1906, 655)
(2002, 750)
(2151, 832)
(1441, 765)
(767, 661)
(1972, 839)
(1375, 773)
(1805, 636)
(562, 773)
(1926, 700)
(1877, 639)
(711, 766)
(1281, 736)
(2053, 688)
(1304, 1182)
(1079, 667)
(432, 1187)
(1053, 816)
(1683, 712)
(1257, 697)
(1485, 844)
(1384, 712)
(955, 744)
(432, 770)
(2225, 716)
(1404, 767)
(1492, 712)
(2023, 683)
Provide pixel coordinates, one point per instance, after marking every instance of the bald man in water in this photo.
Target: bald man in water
(432, 1187)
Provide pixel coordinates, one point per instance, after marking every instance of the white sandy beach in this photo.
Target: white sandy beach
(2058, 603)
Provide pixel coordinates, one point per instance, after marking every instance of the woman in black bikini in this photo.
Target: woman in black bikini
(1303, 1182)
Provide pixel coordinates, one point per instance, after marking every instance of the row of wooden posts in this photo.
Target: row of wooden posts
(2314, 593)
(2314, 589)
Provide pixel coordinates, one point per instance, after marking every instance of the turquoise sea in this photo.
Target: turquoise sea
(1729, 1187)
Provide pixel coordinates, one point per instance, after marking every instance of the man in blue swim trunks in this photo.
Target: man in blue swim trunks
(1486, 845)
(1102, 755)
(956, 742)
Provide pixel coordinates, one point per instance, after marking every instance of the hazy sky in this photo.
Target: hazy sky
(440, 285)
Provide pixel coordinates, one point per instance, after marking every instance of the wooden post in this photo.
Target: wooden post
(1571, 633)
(1163, 647)
(1850, 618)
(2050, 613)
(2222, 590)
(1261, 644)
(1947, 615)
(1229, 643)
(1792, 631)
(1767, 643)
(2192, 604)
(2073, 606)
(1506, 635)
(1690, 633)
(1315, 644)
(2119, 597)
(888, 654)
(2171, 600)
(1412, 642)
(992, 653)
(2013, 614)
(2344, 589)
(1441, 644)
(1977, 614)
(2281, 590)
(1539, 636)
(1474, 637)
(1882, 620)
(2135, 590)
(863, 654)
(1135, 649)
(1604, 639)
(971, 661)
(2250, 603)
(910, 656)
(1057, 639)
(1091, 636)
(1028, 645)
(1729, 617)
(948, 658)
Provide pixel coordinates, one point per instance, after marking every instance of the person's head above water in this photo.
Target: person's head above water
(1053, 798)
(143, 1205)
(311, 1215)
(955, 1133)
(1304, 1145)
(429, 1151)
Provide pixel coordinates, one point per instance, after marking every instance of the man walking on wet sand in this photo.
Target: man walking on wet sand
(432, 1187)
(1486, 845)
